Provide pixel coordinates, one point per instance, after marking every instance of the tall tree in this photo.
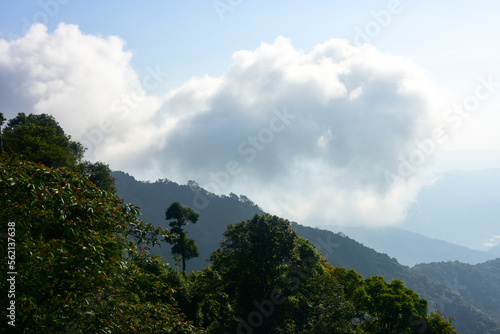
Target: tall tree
(393, 308)
(182, 246)
(253, 257)
(277, 281)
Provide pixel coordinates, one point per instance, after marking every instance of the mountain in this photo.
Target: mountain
(462, 207)
(411, 248)
(342, 251)
(495, 250)
(478, 284)
(218, 211)
(215, 211)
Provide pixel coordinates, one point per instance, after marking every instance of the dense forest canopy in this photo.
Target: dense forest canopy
(78, 268)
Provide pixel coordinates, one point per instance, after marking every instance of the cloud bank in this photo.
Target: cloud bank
(317, 137)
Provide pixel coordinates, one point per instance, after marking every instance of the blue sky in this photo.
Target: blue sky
(347, 105)
(456, 40)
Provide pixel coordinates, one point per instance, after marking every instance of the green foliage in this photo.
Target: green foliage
(436, 323)
(216, 212)
(182, 246)
(72, 244)
(270, 280)
(253, 257)
(463, 278)
(342, 251)
(39, 138)
(320, 305)
(84, 267)
(393, 308)
(98, 173)
(276, 282)
(212, 304)
(84, 262)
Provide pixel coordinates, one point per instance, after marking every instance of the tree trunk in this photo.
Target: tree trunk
(183, 264)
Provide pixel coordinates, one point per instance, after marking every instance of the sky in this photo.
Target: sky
(320, 111)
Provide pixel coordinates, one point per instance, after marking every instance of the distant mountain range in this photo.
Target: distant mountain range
(473, 312)
(495, 250)
(412, 248)
(462, 207)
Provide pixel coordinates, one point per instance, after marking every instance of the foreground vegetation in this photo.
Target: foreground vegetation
(83, 263)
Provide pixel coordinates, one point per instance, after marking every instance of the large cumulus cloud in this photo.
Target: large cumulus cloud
(311, 136)
(83, 80)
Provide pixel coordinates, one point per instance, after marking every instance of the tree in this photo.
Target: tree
(182, 245)
(437, 323)
(39, 138)
(100, 174)
(270, 280)
(78, 269)
(277, 281)
(393, 308)
(252, 258)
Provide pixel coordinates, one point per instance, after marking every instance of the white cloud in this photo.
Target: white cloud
(492, 242)
(353, 114)
(85, 81)
(308, 136)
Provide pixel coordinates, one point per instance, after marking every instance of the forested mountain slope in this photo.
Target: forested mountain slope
(345, 252)
(215, 211)
(218, 211)
(84, 261)
(478, 284)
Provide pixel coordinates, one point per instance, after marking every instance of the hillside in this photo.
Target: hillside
(478, 284)
(155, 197)
(85, 264)
(412, 248)
(345, 252)
(85, 267)
(340, 250)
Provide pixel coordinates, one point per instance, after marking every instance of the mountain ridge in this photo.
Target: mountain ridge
(461, 207)
(463, 278)
(346, 252)
(411, 248)
(495, 250)
(337, 248)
